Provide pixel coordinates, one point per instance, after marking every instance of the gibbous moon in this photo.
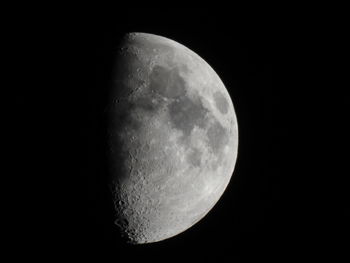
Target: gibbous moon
(172, 141)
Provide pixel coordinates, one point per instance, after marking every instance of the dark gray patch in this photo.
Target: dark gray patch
(159, 79)
(185, 114)
(121, 116)
(217, 136)
(177, 85)
(147, 104)
(183, 68)
(194, 157)
(221, 102)
(167, 83)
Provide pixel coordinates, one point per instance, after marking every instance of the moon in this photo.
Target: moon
(172, 138)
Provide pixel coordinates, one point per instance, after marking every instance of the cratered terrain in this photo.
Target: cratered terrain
(172, 138)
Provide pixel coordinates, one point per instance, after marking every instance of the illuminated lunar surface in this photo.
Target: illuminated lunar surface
(173, 138)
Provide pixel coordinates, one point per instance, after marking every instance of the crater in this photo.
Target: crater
(167, 83)
(185, 114)
(220, 102)
(217, 137)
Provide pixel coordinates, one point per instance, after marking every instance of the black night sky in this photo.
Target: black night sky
(276, 206)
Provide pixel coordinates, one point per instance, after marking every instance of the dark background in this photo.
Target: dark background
(283, 201)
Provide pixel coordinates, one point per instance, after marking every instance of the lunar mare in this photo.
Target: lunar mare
(173, 138)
